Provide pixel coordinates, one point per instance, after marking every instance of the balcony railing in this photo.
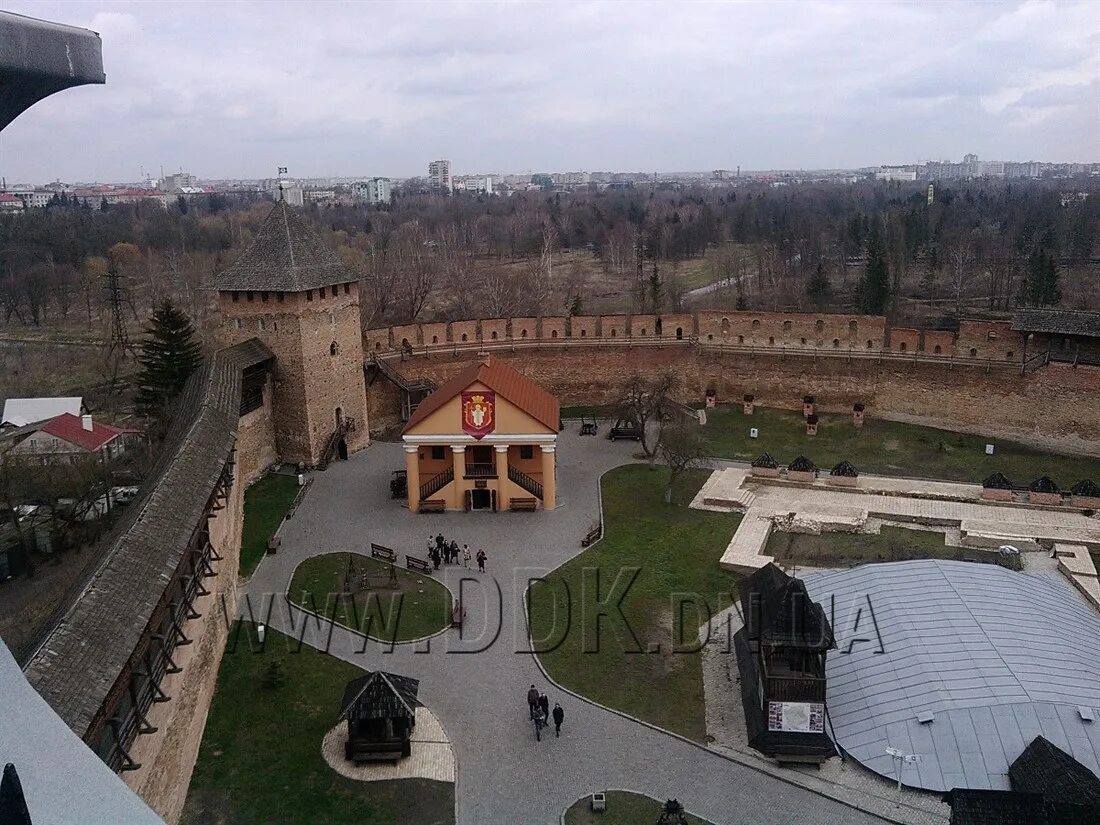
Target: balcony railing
(480, 470)
(794, 689)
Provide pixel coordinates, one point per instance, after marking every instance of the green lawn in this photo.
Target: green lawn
(851, 549)
(260, 759)
(675, 550)
(265, 504)
(623, 808)
(886, 447)
(419, 606)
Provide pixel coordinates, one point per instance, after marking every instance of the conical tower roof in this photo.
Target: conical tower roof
(286, 255)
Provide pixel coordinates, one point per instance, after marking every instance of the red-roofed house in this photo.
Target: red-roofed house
(69, 438)
(485, 440)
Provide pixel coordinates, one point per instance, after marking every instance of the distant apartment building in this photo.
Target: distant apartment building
(439, 176)
(375, 190)
(177, 182)
(319, 195)
(896, 173)
(482, 184)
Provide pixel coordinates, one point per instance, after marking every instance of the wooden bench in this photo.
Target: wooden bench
(591, 536)
(531, 503)
(413, 563)
(433, 505)
(380, 552)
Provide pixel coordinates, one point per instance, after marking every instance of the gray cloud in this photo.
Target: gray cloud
(236, 89)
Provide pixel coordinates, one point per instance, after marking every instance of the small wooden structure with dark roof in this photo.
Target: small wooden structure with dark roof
(765, 466)
(781, 656)
(380, 709)
(802, 469)
(1049, 787)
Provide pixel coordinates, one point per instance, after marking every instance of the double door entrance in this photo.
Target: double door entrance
(481, 499)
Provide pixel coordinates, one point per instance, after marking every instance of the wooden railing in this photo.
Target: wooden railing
(474, 470)
(436, 483)
(525, 481)
(794, 689)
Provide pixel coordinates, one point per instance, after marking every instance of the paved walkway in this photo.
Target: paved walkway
(505, 777)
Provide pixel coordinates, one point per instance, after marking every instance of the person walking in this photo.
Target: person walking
(439, 543)
(431, 545)
(454, 552)
(435, 557)
(533, 699)
(544, 707)
(481, 557)
(559, 717)
(466, 556)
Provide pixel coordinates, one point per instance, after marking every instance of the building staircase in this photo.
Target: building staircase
(436, 483)
(333, 443)
(525, 481)
(412, 391)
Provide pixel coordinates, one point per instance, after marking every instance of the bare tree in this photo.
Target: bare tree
(961, 270)
(642, 401)
(681, 449)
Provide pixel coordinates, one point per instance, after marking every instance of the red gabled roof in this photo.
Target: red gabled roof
(506, 382)
(69, 427)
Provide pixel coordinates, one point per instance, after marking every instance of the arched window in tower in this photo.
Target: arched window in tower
(725, 326)
(523, 333)
(819, 327)
(755, 323)
(836, 343)
(494, 335)
(263, 325)
(853, 329)
(658, 325)
(334, 348)
(553, 333)
(464, 336)
(786, 326)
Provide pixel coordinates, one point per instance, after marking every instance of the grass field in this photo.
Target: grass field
(886, 447)
(674, 551)
(265, 504)
(851, 549)
(260, 759)
(623, 808)
(420, 606)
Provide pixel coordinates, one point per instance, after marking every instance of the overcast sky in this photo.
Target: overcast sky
(236, 89)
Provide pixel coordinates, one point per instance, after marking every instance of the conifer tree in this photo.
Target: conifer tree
(1041, 287)
(873, 291)
(817, 288)
(168, 356)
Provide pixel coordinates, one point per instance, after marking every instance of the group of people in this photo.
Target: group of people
(539, 704)
(441, 551)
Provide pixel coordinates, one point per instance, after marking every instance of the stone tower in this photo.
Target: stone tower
(291, 291)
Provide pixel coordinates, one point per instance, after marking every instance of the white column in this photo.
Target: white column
(549, 478)
(500, 456)
(412, 476)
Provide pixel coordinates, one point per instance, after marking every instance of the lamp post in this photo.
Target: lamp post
(901, 758)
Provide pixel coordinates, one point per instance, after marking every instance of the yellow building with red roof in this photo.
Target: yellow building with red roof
(485, 440)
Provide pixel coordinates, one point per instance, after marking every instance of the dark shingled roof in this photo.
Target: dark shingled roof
(802, 465)
(101, 623)
(1085, 487)
(1058, 322)
(286, 255)
(778, 610)
(997, 481)
(1043, 484)
(381, 695)
(981, 807)
(1047, 769)
(846, 469)
(767, 461)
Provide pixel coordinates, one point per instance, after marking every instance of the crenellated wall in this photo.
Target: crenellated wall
(795, 332)
(1054, 406)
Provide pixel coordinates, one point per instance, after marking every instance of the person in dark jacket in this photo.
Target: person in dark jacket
(544, 706)
(533, 697)
(559, 717)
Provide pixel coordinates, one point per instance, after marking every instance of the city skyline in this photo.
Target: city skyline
(236, 92)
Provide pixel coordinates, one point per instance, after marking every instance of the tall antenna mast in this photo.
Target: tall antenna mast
(120, 341)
